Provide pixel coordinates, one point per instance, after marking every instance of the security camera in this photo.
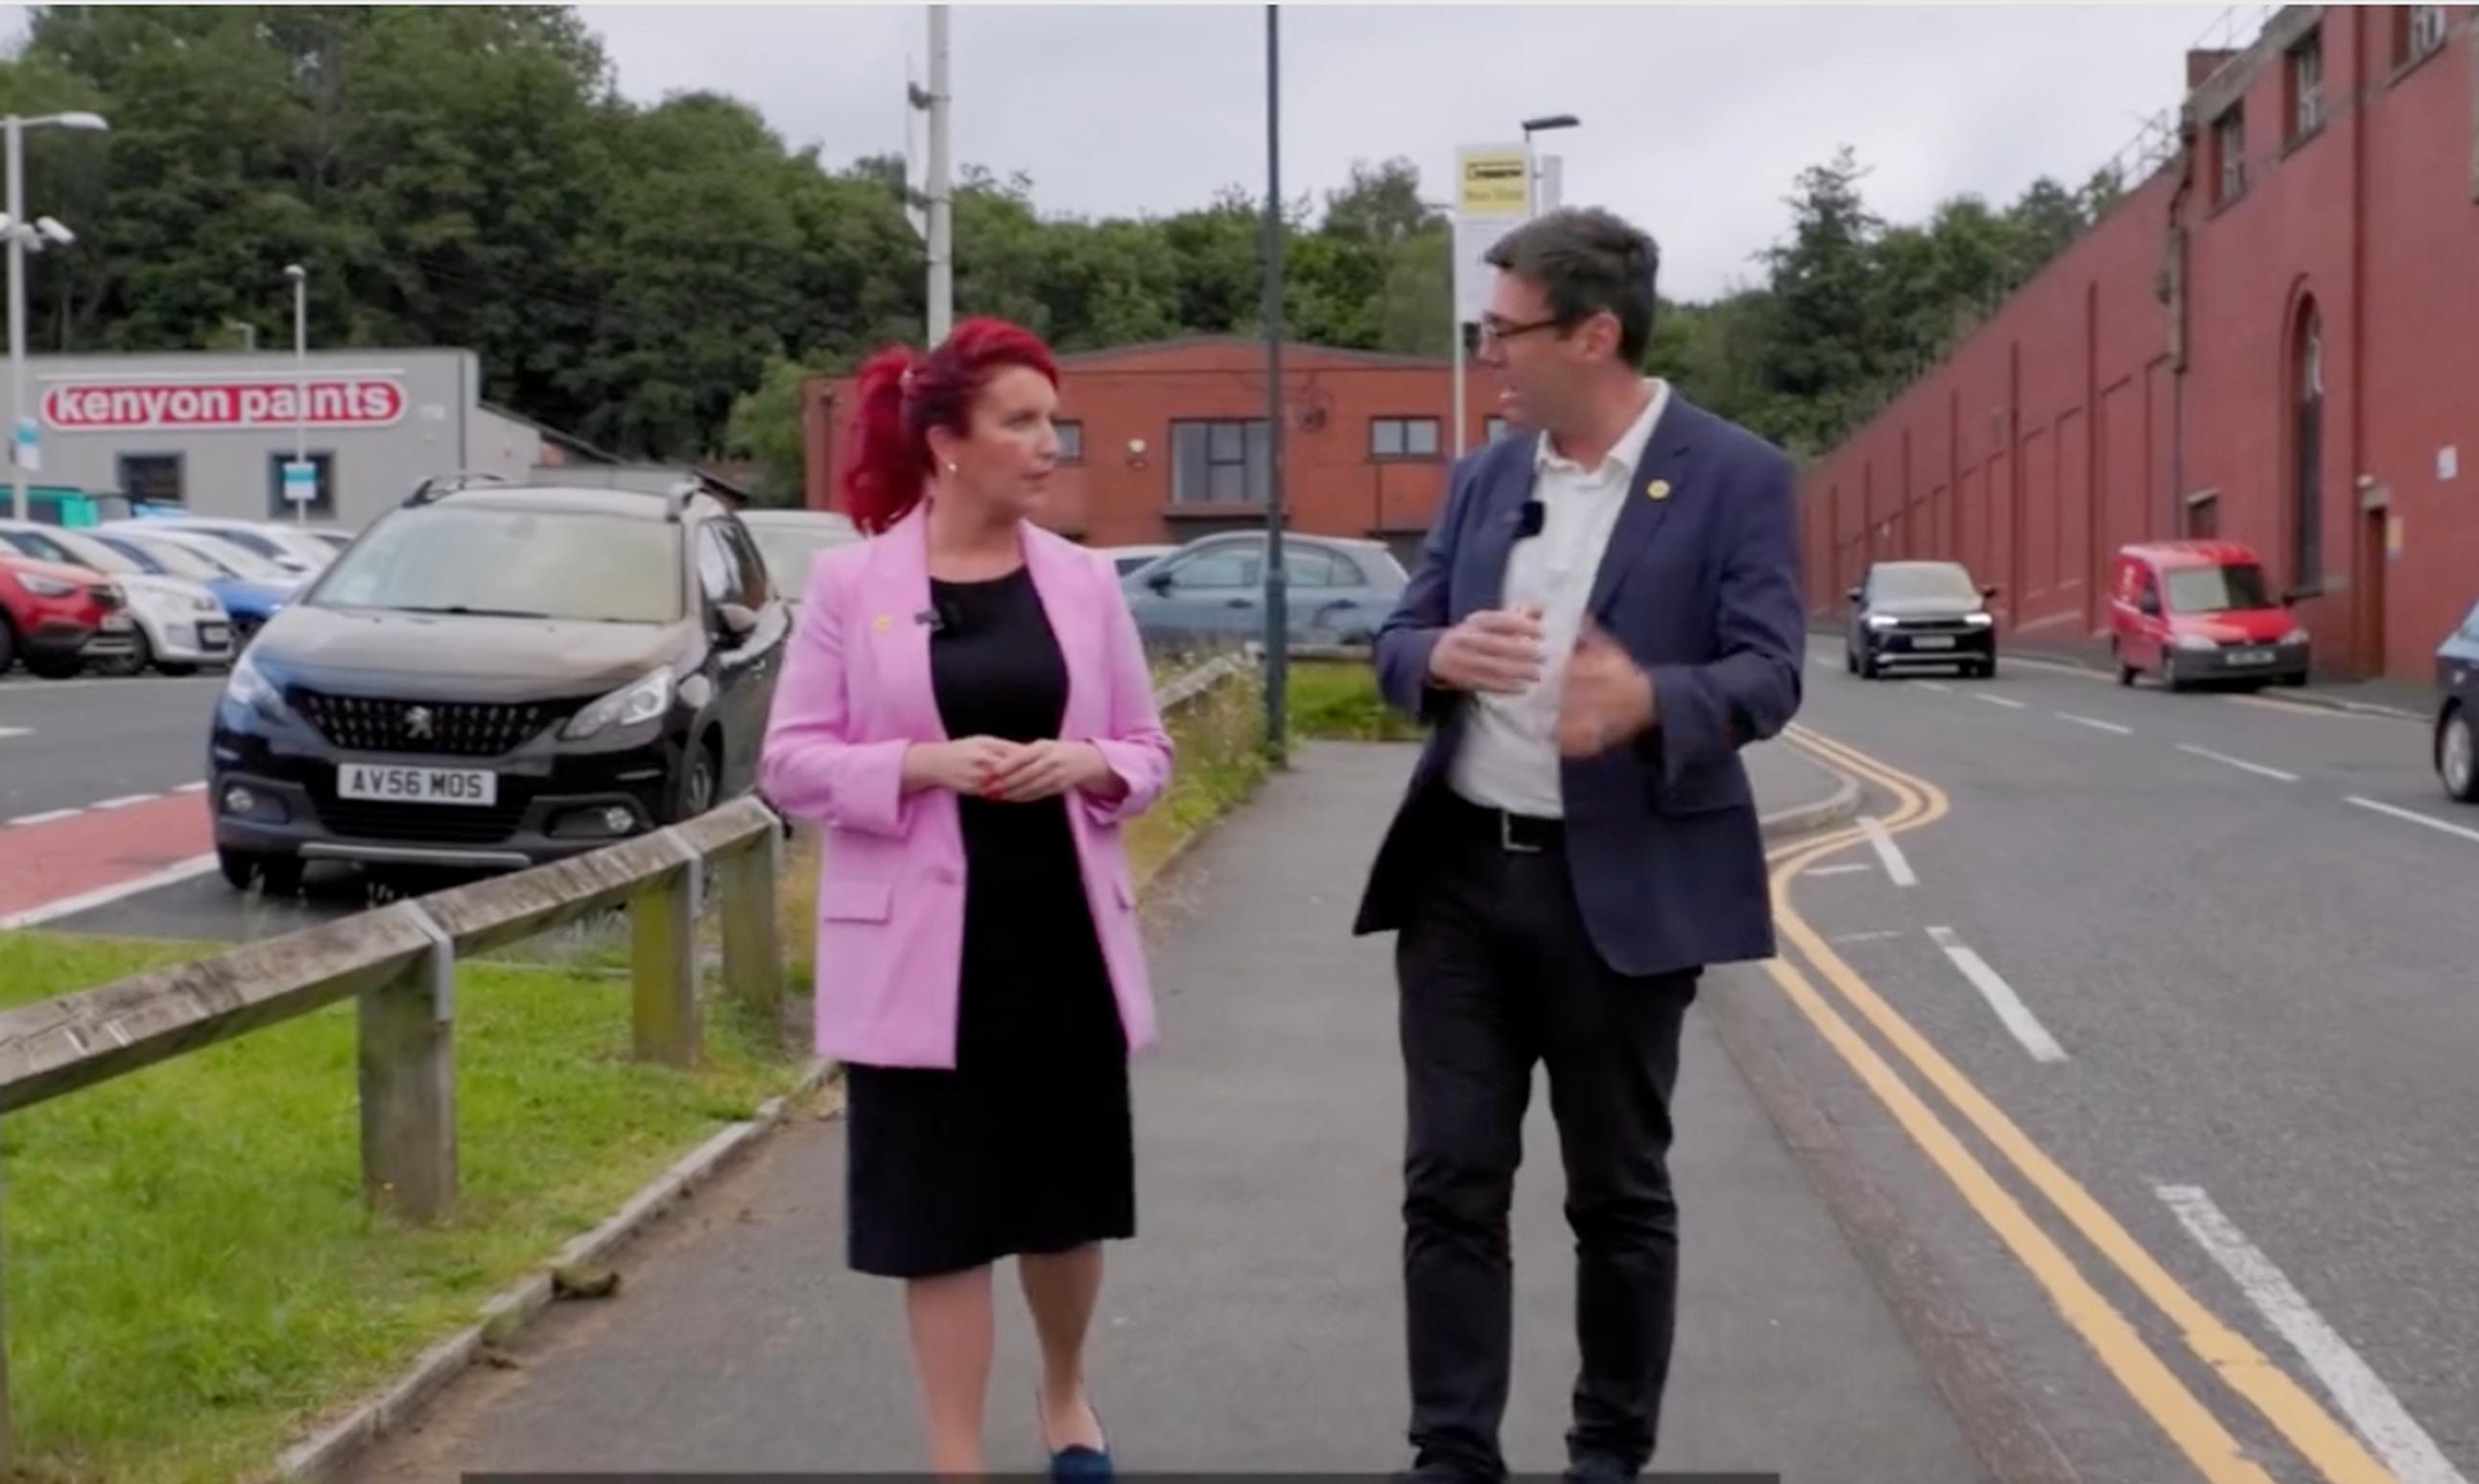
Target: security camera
(52, 230)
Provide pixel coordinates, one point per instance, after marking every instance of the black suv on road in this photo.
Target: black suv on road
(497, 675)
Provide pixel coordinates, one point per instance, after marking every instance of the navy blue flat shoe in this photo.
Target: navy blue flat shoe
(1076, 1462)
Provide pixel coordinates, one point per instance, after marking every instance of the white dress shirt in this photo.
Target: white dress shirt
(1509, 756)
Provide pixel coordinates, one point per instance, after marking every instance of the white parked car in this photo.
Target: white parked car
(296, 550)
(181, 624)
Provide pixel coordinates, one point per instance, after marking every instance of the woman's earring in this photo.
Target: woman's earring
(951, 465)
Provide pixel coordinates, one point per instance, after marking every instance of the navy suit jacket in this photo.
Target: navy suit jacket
(1701, 586)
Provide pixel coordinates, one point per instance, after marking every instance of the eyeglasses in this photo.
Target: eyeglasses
(1494, 328)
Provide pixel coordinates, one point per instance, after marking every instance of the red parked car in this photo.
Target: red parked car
(2200, 610)
(56, 618)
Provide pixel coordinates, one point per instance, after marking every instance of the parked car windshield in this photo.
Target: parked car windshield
(167, 556)
(512, 564)
(2217, 589)
(226, 558)
(84, 550)
(1904, 581)
(788, 549)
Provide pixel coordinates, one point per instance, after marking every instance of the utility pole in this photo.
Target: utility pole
(1277, 616)
(940, 191)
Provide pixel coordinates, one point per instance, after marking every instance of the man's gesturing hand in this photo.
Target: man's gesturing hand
(1607, 699)
(1494, 649)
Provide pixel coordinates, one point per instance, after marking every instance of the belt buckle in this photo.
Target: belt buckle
(1506, 836)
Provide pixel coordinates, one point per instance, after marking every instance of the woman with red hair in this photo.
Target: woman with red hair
(968, 715)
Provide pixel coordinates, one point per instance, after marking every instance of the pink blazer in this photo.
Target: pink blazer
(854, 693)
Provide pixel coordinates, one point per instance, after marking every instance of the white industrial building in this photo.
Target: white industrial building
(212, 430)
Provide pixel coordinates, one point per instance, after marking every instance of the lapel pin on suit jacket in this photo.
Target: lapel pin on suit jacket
(1659, 489)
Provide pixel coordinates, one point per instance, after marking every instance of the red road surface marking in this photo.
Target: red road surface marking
(44, 863)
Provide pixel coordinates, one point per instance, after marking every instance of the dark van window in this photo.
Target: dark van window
(2217, 589)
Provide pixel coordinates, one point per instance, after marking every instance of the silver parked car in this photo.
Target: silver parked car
(1212, 590)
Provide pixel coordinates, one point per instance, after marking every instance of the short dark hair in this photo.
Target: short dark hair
(1587, 260)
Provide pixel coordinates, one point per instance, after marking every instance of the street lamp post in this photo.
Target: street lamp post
(23, 235)
(1278, 635)
(1532, 171)
(301, 470)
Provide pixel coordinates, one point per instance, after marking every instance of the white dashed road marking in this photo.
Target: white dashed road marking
(2000, 998)
(1897, 866)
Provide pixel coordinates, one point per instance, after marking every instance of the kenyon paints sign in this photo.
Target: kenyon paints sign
(93, 407)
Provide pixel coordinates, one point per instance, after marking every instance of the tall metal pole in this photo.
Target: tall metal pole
(1277, 616)
(942, 254)
(17, 318)
(301, 383)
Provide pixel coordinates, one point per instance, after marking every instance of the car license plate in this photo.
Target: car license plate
(393, 784)
(213, 636)
(2250, 656)
(1933, 642)
(116, 623)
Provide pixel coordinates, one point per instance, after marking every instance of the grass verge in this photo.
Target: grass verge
(1339, 699)
(190, 1272)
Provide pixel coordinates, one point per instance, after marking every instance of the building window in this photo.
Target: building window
(2203, 518)
(1223, 463)
(2306, 482)
(2307, 86)
(2417, 30)
(152, 476)
(322, 507)
(1495, 428)
(2229, 154)
(1403, 438)
(1071, 441)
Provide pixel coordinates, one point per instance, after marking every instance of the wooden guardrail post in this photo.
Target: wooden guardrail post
(8, 1430)
(662, 963)
(753, 939)
(408, 1077)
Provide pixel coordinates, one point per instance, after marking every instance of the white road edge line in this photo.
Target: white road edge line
(1868, 937)
(12, 731)
(46, 817)
(197, 787)
(2008, 703)
(2408, 1452)
(126, 800)
(1897, 866)
(1939, 686)
(1838, 870)
(2414, 817)
(2237, 762)
(2000, 998)
(2095, 724)
(105, 896)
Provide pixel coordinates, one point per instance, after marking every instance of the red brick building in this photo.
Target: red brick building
(2274, 338)
(1164, 441)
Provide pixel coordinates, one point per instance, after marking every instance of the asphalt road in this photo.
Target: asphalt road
(70, 744)
(2173, 972)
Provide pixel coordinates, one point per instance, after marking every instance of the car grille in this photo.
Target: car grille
(1932, 625)
(418, 824)
(448, 728)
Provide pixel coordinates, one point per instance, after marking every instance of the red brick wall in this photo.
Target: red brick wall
(2372, 218)
(1116, 495)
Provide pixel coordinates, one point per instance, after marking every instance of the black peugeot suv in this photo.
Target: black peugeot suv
(495, 675)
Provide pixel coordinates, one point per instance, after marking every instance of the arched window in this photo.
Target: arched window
(2306, 481)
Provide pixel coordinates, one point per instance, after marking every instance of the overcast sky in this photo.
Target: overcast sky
(1694, 118)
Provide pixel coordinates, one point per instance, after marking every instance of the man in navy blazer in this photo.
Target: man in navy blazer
(1606, 610)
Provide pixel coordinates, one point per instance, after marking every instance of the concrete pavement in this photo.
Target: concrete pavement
(1256, 1322)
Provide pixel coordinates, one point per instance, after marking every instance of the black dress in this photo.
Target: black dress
(1026, 1146)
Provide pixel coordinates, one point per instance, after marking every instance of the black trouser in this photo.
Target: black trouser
(1497, 972)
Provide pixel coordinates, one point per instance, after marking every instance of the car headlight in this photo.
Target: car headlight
(46, 587)
(2192, 642)
(1879, 621)
(1978, 620)
(203, 604)
(2294, 636)
(630, 705)
(248, 688)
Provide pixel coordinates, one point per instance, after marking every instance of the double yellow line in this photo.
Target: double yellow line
(2217, 1456)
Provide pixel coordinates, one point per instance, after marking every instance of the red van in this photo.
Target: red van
(2200, 610)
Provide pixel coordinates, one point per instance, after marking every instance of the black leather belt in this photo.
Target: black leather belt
(1523, 834)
